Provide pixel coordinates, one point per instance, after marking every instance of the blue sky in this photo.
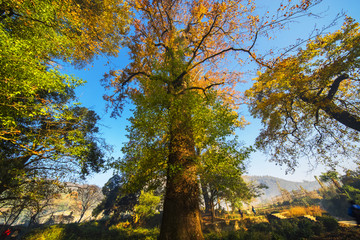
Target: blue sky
(113, 130)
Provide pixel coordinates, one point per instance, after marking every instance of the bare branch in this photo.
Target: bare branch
(202, 40)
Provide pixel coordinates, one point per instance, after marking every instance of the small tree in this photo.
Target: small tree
(88, 196)
(221, 175)
(147, 206)
(116, 200)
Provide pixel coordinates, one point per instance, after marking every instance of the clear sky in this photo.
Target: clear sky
(113, 130)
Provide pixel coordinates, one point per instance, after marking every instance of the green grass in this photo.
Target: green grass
(91, 230)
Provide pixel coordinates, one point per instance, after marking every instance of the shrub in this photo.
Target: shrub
(287, 228)
(261, 227)
(236, 235)
(330, 223)
(228, 235)
(147, 206)
(212, 236)
(305, 229)
(314, 211)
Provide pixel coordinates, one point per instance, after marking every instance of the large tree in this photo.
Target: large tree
(177, 52)
(44, 133)
(309, 102)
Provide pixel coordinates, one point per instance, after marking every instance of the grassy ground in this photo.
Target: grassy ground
(294, 228)
(90, 231)
(295, 224)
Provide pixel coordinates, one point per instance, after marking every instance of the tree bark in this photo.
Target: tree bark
(206, 198)
(212, 210)
(181, 216)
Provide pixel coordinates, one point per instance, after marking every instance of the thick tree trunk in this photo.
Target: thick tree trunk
(181, 217)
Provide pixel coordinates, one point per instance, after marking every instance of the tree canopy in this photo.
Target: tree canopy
(72, 30)
(44, 132)
(309, 102)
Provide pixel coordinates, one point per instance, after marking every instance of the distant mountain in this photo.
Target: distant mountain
(273, 190)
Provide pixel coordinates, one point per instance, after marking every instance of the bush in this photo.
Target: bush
(261, 227)
(305, 228)
(330, 223)
(286, 228)
(297, 228)
(212, 236)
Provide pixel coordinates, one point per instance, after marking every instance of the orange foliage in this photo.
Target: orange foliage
(301, 211)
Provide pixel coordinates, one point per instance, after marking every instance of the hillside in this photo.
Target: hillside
(67, 207)
(273, 190)
(75, 203)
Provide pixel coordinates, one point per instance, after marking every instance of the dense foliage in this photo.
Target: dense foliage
(44, 133)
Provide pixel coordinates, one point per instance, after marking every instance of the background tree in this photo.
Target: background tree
(351, 184)
(344, 188)
(221, 175)
(117, 202)
(87, 197)
(309, 102)
(30, 202)
(331, 176)
(177, 50)
(44, 192)
(51, 148)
